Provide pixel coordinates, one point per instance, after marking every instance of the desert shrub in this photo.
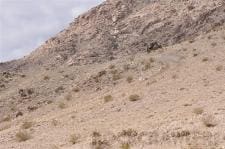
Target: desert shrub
(116, 77)
(75, 89)
(213, 44)
(205, 59)
(198, 111)
(129, 79)
(219, 68)
(108, 98)
(68, 96)
(27, 125)
(59, 89)
(22, 136)
(62, 105)
(125, 146)
(5, 126)
(74, 138)
(6, 118)
(128, 133)
(111, 66)
(209, 121)
(46, 78)
(134, 97)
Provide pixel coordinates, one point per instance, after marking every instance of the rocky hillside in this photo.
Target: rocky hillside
(123, 27)
(127, 74)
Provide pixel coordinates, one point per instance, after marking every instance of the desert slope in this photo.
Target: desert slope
(80, 91)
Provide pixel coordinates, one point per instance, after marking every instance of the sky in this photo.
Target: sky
(26, 24)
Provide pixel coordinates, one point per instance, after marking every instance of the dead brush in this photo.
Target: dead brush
(22, 136)
(27, 125)
(74, 138)
(129, 79)
(198, 111)
(209, 121)
(134, 97)
(68, 97)
(108, 98)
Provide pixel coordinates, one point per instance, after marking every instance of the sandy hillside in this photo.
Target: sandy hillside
(125, 75)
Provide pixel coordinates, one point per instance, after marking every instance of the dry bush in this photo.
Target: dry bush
(213, 44)
(114, 71)
(190, 7)
(134, 97)
(147, 66)
(125, 146)
(97, 143)
(129, 79)
(126, 67)
(209, 121)
(22, 136)
(108, 98)
(75, 89)
(6, 118)
(182, 133)
(128, 133)
(59, 89)
(116, 77)
(111, 66)
(46, 77)
(205, 59)
(198, 111)
(62, 105)
(74, 138)
(219, 68)
(68, 97)
(55, 122)
(95, 134)
(27, 125)
(5, 126)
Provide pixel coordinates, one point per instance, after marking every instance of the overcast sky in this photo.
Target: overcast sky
(25, 24)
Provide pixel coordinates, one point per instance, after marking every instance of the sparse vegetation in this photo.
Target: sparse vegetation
(62, 105)
(59, 89)
(75, 89)
(5, 126)
(95, 134)
(198, 111)
(6, 118)
(209, 121)
(147, 66)
(182, 133)
(46, 78)
(98, 142)
(68, 97)
(213, 44)
(108, 98)
(74, 138)
(128, 133)
(125, 146)
(205, 59)
(27, 125)
(116, 77)
(134, 97)
(111, 66)
(129, 79)
(195, 54)
(22, 136)
(219, 68)
(54, 122)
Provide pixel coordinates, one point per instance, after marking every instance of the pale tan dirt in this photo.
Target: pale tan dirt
(173, 82)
